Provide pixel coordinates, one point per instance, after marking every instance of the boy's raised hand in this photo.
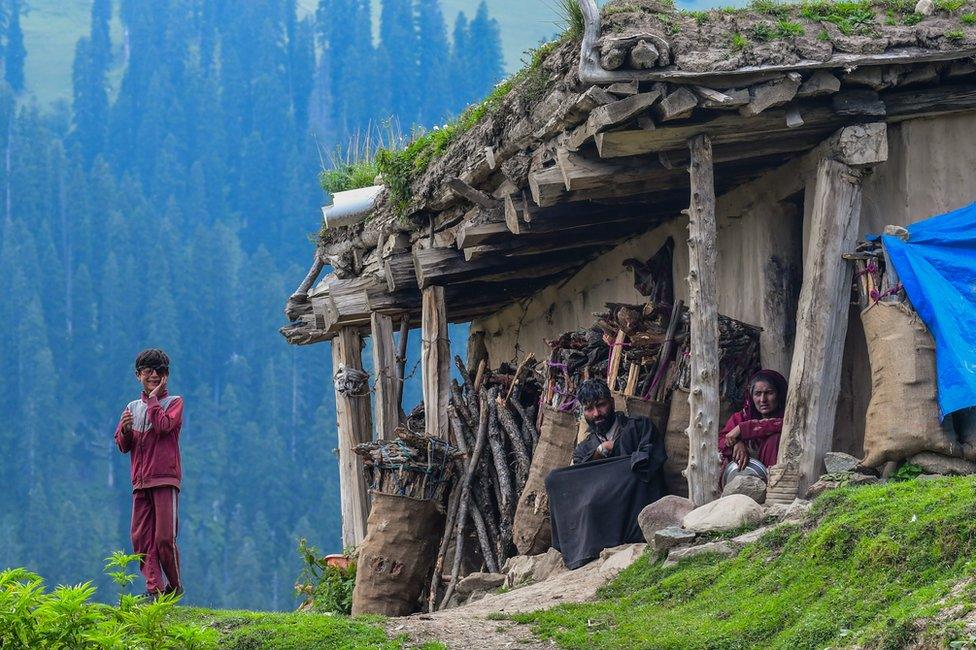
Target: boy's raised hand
(126, 421)
(160, 387)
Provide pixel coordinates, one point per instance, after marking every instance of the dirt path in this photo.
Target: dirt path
(469, 626)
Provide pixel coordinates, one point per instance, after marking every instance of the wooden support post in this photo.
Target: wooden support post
(402, 363)
(703, 459)
(354, 427)
(387, 414)
(436, 361)
(811, 404)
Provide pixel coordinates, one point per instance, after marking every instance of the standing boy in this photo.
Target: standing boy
(149, 431)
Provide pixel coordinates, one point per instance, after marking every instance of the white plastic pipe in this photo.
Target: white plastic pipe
(350, 207)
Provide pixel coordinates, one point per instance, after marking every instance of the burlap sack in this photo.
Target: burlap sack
(676, 443)
(634, 407)
(557, 438)
(676, 440)
(395, 559)
(903, 415)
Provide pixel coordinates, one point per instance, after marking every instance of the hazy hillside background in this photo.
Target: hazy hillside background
(159, 189)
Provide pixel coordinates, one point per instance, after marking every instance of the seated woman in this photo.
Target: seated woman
(616, 471)
(754, 431)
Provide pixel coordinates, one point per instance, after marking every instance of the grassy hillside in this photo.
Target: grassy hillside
(878, 567)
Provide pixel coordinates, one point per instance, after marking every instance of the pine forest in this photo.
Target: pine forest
(160, 208)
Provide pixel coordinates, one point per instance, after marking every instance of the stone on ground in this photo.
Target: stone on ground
(667, 538)
(480, 582)
(751, 486)
(720, 548)
(663, 513)
(932, 463)
(522, 569)
(751, 536)
(620, 559)
(838, 461)
(723, 514)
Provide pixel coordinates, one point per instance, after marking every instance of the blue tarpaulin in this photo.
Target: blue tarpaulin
(937, 267)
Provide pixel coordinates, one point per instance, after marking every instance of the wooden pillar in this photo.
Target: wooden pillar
(811, 405)
(436, 361)
(387, 412)
(354, 427)
(703, 459)
(780, 233)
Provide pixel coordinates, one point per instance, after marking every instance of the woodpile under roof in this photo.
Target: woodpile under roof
(564, 169)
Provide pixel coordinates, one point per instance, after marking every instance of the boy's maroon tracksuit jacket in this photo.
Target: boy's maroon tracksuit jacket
(153, 446)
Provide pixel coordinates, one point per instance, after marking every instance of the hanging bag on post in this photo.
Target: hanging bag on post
(396, 557)
(557, 439)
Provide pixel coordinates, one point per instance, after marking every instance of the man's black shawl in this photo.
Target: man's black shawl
(594, 504)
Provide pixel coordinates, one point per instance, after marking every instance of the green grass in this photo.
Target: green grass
(738, 42)
(244, 630)
(949, 6)
(850, 16)
(968, 19)
(881, 559)
(955, 35)
(401, 167)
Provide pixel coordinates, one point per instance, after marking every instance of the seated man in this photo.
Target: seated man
(616, 471)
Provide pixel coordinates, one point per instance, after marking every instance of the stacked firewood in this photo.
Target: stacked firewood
(738, 349)
(631, 346)
(492, 420)
(411, 464)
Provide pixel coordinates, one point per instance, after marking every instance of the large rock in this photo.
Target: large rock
(621, 559)
(480, 582)
(667, 538)
(522, 569)
(663, 513)
(718, 548)
(838, 461)
(751, 486)
(932, 463)
(723, 514)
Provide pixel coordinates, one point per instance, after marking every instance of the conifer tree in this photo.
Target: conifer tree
(14, 53)
(485, 51)
(433, 61)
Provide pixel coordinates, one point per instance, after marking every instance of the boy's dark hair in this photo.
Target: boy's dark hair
(153, 358)
(592, 390)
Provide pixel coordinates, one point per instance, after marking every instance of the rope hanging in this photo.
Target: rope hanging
(351, 382)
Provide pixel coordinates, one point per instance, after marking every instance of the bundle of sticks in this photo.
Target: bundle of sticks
(632, 346)
(411, 464)
(492, 418)
(738, 351)
(874, 276)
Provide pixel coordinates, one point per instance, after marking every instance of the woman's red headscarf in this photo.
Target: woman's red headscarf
(778, 381)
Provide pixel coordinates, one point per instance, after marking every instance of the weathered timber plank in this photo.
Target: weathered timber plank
(447, 265)
(399, 271)
(477, 234)
(436, 362)
(821, 328)
(703, 460)
(387, 407)
(352, 413)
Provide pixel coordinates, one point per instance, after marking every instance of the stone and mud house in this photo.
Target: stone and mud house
(767, 142)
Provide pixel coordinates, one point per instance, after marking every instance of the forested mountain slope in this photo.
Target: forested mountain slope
(165, 205)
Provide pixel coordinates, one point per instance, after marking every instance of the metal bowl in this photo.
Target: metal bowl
(752, 468)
